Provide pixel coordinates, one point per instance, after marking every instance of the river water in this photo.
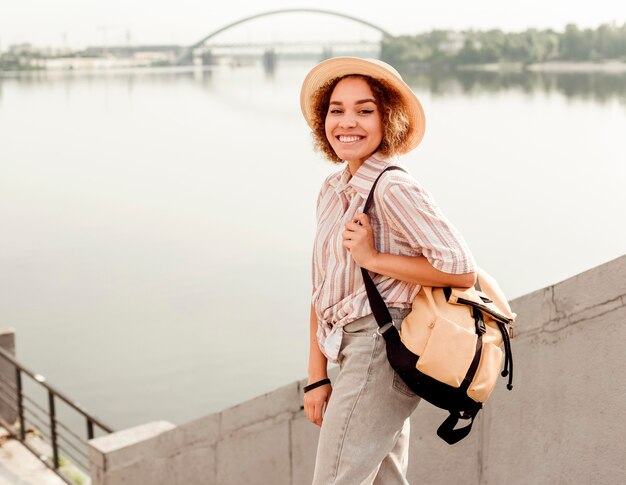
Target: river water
(156, 226)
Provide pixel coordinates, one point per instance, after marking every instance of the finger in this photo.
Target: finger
(363, 219)
(353, 236)
(353, 226)
(317, 417)
(311, 414)
(355, 229)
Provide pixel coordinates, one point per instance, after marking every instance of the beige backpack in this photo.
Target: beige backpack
(443, 331)
(449, 350)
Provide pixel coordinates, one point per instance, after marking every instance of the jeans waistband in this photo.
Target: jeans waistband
(397, 312)
(369, 322)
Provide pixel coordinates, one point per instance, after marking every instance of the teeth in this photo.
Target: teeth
(348, 139)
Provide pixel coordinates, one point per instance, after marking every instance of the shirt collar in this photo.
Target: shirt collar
(363, 179)
(367, 173)
(342, 182)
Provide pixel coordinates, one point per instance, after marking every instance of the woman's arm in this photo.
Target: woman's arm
(316, 400)
(358, 238)
(317, 360)
(416, 269)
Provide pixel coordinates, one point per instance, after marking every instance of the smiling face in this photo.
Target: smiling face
(353, 123)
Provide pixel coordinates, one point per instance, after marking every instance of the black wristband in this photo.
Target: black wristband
(316, 384)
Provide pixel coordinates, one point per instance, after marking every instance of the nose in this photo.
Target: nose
(348, 121)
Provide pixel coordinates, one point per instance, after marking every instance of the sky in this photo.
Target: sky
(78, 23)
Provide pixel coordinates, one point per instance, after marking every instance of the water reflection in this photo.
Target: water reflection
(597, 86)
(116, 235)
(163, 74)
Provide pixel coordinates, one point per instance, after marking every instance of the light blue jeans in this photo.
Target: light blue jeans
(365, 433)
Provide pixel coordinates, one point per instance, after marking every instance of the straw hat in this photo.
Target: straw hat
(343, 66)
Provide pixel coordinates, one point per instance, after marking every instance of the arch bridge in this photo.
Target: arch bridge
(187, 55)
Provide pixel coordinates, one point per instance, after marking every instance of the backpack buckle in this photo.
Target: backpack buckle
(382, 330)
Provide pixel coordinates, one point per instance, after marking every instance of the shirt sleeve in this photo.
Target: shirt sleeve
(413, 213)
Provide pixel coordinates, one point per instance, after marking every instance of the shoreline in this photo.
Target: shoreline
(105, 71)
(603, 66)
(609, 67)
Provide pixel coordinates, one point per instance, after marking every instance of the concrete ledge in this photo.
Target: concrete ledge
(287, 399)
(121, 448)
(572, 301)
(560, 424)
(260, 456)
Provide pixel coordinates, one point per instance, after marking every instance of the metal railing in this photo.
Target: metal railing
(44, 422)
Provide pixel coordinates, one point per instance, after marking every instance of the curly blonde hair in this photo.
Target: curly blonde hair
(395, 120)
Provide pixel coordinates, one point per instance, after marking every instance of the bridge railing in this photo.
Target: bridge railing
(46, 421)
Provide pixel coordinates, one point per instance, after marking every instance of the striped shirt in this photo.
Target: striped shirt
(405, 220)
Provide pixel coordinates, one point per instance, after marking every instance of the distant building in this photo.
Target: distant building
(20, 57)
(26, 57)
(153, 53)
(90, 63)
(453, 43)
(21, 49)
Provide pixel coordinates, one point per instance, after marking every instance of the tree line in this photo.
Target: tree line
(608, 41)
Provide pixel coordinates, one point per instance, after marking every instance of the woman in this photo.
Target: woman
(363, 114)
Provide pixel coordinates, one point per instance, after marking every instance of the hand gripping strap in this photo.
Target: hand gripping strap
(379, 309)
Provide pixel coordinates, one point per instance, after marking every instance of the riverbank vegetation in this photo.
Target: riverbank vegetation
(442, 48)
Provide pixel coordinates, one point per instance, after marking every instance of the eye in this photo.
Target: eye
(367, 111)
(335, 111)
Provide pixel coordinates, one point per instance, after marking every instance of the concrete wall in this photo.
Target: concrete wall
(561, 424)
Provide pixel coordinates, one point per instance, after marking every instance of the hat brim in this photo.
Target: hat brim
(337, 67)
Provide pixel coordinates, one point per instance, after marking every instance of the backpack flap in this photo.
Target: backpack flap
(484, 302)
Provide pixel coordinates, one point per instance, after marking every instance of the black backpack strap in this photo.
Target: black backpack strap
(450, 435)
(379, 309)
(370, 197)
(386, 328)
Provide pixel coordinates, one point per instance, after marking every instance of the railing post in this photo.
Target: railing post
(53, 430)
(89, 429)
(8, 405)
(20, 402)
